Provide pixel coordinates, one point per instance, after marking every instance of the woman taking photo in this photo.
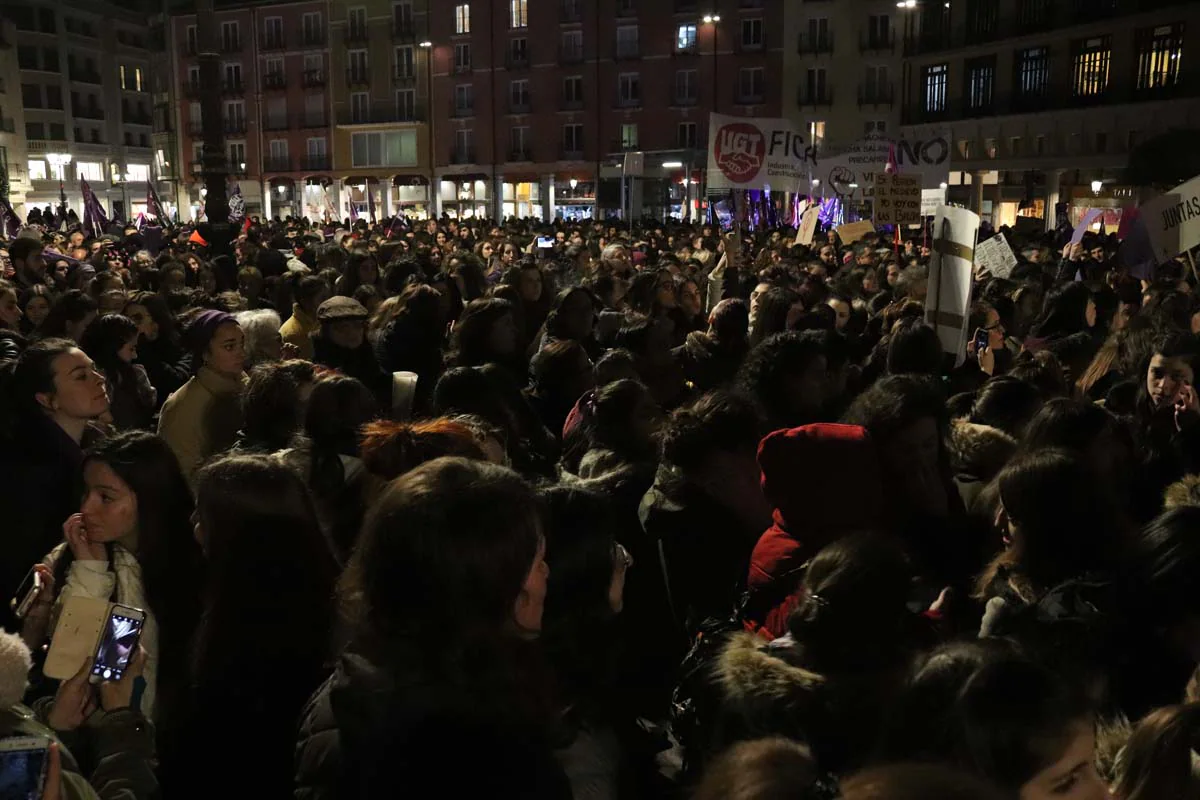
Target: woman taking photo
(265, 634)
(49, 397)
(204, 417)
(452, 553)
(132, 543)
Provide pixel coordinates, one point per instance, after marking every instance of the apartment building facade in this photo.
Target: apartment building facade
(84, 92)
(842, 67)
(275, 104)
(13, 155)
(1046, 99)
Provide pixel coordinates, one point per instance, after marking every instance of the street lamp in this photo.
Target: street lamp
(60, 161)
(427, 46)
(713, 19)
(1097, 186)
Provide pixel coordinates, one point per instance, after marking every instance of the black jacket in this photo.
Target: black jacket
(373, 731)
(705, 363)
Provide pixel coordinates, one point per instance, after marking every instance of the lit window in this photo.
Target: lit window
(462, 18)
(37, 170)
(685, 39)
(138, 173)
(121, 73)
(89, 170)
(1090, 66)
(518, 13)
(1160, 56)
(137, 78)
(935, 87)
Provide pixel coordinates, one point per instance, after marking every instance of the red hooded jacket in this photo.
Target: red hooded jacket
(824, 481)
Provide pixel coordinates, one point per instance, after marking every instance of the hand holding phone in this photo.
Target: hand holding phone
(25, 767)
(119, 642)
(980, 341)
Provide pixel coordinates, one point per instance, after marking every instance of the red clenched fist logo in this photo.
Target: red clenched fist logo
(739, 151)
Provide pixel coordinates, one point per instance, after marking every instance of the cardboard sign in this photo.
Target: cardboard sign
(808, 226)
(948, 301)
(851, 232)
(897, 199)
(995, 256)
(753, 152)
(1091, 216)
(1173, 220)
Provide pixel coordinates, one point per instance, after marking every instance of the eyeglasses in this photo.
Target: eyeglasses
(621, 556)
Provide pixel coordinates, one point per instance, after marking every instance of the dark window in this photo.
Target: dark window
(49, 59)
(46, 18)
(1033, 70)
(31, 95)
(27, 57)
(54, 97)
(933, 79)
(981, 82)
(981, 20)
(58, 131)
(35, 130)
(23, 17)
(1033, 13)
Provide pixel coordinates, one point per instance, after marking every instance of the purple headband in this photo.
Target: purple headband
(204, 325)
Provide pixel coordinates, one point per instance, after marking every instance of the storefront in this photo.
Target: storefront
(574, 199)
(465, 197)
(522, 199)
(410, 196)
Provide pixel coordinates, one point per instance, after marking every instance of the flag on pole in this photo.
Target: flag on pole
(237, 203)
(140, 222)
(350, 203)
(370, 202)
(153, 205)
(94, 220)
(10, 223)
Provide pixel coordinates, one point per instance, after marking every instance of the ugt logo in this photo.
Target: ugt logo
(739, 151)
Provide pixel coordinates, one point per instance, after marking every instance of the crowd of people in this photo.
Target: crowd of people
(423, 507)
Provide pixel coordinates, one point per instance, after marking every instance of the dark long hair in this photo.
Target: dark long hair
(71, 307)
(167, 552)
(471, 342)
(268, 560)
(159, 311)
(102, 339)
(22, 379)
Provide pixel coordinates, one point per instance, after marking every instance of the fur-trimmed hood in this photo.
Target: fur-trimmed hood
(752, 670)
(978, 451)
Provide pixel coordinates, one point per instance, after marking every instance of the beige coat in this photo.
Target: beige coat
(202, 419)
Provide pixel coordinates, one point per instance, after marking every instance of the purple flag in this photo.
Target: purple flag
(370, 202)
(94, 220)
(350, 202)
(153, 206)
(8, 216)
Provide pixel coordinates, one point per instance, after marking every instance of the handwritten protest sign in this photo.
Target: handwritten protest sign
(1090, 217)
(808, 226)
(1173, 220)
(897, 199)
(995, 256)
(930, 200)
(948, 299)
(851, 232)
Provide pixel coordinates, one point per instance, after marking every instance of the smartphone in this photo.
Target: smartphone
(545, 242)
(118, 642)
(27, 594)
(24, 762)
(981, 340)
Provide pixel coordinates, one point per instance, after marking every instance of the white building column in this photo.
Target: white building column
(1053, 182)
(267, 201)
(385, 188)
(498, 198)
(549, 208)
(977, 192)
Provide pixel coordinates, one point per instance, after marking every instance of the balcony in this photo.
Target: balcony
(234, 126)
(355, 35)
(280, 123)
(818, 97)
(571, 103)
(232, 86)
(136, 118)
(516, 60)
(570, 54)
(571, 153)
(405, 75)
(94, 112)
(275, 41)
(519, 105)
(682, 100)
(821, 44)
(274, 82)
(191, 89)
(460, 67)
(884, 95)
(312, 38)
(748, 98)
(460, 110)
(195, 128)
(404, 30)
(231, 44)
(462, 155)
(316, 163)
(619, 146)
(85, 76)
(277, 164)
(877, 41)
(312, 79)
(313, 121)
(358, 77)
(520, 154)
(238, 169)
(628, 101)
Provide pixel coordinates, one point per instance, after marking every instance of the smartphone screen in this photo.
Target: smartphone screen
(23, 765)
(981, 339)
(545, 242)
(117, 644)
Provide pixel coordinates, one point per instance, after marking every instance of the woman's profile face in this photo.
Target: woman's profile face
(128, 351)
(109, 506)
(79, 390)
(10, 312)
(1073, 776)
(226, 353)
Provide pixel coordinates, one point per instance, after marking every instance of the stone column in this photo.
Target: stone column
(1053, 180)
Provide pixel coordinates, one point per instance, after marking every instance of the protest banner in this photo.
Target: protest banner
(897, 199)
(930, 200)
(808, 226)
(948, 299)
(1088, 220)
(853, 171)
(851, 232)
(995, 256)
(752, 152)
(1173, 220)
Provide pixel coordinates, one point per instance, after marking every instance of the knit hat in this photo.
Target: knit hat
(203, 327)
(15, 663)
(341, 309)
